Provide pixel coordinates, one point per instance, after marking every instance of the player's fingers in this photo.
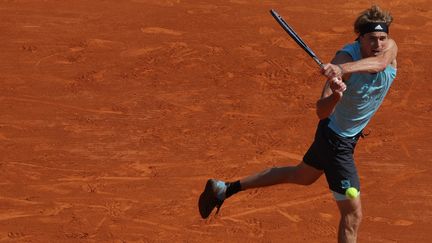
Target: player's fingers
(334, 83)
(334, 79)
(330, 73)
(324, 68)
(343, 86)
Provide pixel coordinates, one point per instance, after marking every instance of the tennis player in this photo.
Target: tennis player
(359, 77)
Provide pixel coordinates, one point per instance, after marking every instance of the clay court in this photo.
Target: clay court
(113, 114)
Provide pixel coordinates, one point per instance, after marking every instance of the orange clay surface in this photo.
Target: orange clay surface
(113, 114)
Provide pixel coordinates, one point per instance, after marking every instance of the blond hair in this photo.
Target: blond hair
(372, 15)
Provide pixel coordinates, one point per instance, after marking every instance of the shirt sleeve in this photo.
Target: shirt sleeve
(352, 49)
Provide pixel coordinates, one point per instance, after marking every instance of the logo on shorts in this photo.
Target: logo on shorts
(345, 184)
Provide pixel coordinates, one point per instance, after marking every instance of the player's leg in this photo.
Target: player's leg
(301, 174)
(341, 174)
(216, 191)
(305, 173)
(351, 216)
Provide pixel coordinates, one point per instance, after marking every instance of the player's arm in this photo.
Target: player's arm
(330, 96)
(373, 64)
(333, 89)
(327, 103)
(370, 64)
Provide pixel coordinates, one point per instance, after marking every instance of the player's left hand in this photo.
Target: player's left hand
(337, 86)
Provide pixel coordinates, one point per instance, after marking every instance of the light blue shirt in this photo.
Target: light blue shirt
(364, 94)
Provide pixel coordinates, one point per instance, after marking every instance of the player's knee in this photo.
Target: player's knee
(354, 218)
(301, 180)
(357, 216)
(301, 176)
(306, 180)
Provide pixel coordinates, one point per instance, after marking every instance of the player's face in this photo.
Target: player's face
(373, 43)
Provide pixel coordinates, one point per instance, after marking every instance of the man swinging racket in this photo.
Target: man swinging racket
(359, 77)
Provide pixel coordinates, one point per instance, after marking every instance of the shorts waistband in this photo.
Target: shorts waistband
(325, 123)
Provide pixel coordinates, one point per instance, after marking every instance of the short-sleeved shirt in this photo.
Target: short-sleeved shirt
(364, 94)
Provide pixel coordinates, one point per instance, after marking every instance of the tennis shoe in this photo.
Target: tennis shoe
(212, 197)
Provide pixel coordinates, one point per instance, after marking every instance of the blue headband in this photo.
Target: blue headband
(373, 27)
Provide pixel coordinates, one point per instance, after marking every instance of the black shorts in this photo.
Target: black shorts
(333, 154)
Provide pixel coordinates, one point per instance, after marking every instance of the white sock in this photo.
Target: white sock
(221, 189)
